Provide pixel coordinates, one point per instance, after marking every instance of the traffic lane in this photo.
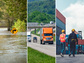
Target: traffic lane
(67, 59)
(38, 40)
(47, 49)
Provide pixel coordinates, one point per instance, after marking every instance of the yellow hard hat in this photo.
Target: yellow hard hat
(73, 30)
(63, 31)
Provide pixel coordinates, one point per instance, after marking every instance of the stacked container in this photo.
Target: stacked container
(60, 25)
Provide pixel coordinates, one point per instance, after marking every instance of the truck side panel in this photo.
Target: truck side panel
(41, 32)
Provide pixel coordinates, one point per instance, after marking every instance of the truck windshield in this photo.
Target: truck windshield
(47, 34)
(29, 35)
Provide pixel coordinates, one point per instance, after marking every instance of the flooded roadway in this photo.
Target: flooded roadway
(12, 47)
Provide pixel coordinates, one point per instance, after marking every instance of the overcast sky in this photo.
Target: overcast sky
(73, 10)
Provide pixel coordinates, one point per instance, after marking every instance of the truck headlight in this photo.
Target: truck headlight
(44, 39)
(52, 39)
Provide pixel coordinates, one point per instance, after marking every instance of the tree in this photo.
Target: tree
(39, 17)
(14, 9)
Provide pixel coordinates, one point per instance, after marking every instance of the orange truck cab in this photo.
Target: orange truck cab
(46, 35)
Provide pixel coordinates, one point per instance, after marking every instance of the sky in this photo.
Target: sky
(73, 10)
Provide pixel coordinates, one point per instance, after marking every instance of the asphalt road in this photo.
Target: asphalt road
(49, 49)
(67, 59)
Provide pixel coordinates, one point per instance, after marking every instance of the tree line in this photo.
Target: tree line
(12, 10)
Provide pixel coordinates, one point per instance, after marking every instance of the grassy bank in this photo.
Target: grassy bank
(33, 32)
(35, 56)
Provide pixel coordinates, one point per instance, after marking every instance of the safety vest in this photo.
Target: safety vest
(62, 37)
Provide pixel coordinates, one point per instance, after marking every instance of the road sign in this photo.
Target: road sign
(14, 31)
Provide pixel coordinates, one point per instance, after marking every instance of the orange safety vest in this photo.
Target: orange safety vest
(62, 37)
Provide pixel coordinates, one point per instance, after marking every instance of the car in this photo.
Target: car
(29, 36)
(41, 24)
(51, 22)
(34, 39)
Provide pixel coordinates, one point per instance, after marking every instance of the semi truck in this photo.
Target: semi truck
(29, 36)
(46, 35)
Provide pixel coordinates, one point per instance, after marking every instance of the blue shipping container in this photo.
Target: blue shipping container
(60, 24)
(58, 31)
(57, 40)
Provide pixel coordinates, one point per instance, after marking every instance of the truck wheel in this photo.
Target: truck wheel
(41, 42)
(36, 40)
(33, 40)
(52, 42)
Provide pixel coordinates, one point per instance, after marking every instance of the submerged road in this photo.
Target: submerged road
(12, 47)
(49, 49)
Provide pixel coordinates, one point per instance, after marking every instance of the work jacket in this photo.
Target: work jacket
(72, 37)
(62, 37)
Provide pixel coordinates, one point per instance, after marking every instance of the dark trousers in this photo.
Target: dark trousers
(72, 47)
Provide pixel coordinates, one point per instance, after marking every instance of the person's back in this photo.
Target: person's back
(72, 39)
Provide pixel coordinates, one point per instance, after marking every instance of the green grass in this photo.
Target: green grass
(54, 38)
(35, 56)
(33, 32)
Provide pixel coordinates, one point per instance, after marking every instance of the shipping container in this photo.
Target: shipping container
(83, 47)
(80, 42)
(60, 24)
(58, 31)
(60, 16)
(68, 51)
(58, 50)
(57, 40)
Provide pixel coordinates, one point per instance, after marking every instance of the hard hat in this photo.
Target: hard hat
(73, 30)
(63, 31)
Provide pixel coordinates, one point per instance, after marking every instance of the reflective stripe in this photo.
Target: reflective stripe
(73, 39)
(62, 37)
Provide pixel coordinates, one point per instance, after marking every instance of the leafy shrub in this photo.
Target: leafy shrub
(20, 25)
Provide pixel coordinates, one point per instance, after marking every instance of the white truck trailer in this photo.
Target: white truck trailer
(29, 36)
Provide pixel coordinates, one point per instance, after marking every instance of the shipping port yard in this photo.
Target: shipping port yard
(61, 25)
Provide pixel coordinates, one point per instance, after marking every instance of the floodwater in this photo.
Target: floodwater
(13, 48)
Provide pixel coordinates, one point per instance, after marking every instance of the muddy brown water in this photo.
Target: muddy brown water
(13, 48)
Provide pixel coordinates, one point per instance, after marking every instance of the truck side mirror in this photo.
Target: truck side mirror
(53, 34)
(42, 35)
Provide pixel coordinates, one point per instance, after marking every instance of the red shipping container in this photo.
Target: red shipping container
(60, 16)
(80, 42)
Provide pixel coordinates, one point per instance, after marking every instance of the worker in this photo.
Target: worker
(62, 42)
(72, 41)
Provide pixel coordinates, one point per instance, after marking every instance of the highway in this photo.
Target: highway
(40, 26)
(49, 49)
